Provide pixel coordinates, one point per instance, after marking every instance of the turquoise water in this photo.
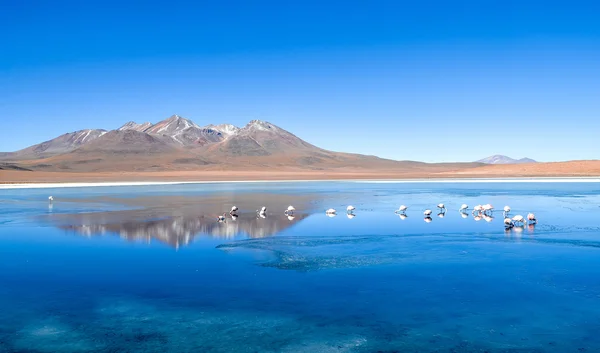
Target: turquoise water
(97, 272)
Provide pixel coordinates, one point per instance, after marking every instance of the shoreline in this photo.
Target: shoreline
(53, 185)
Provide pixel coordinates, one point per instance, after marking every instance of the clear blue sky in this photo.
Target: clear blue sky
(419, 80)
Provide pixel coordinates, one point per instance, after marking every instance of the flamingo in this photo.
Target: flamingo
(262, 212)
(464, 207)
(427, 219)
(350, 208)
(508, 223)
(506, 210)
(427, 213)
(401, 209)
(290, 210)
(519, 219)
(488, 208)
(330, 212)
(50, 199)
(477, 209)
(531, 218)
(221, 218)
(441, 206)
(233, 209)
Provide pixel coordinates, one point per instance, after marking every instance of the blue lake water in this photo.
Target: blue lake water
(149, 269)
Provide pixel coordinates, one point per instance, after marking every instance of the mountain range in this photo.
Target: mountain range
(177, 144)
(500, 159)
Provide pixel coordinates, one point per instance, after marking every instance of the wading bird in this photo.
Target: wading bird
(518, 219)
(427, 213)
(531, 218)
(350, 209)
(464, 207)
(401, 209)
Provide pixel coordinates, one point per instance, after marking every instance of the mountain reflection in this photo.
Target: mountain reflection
(181, 230)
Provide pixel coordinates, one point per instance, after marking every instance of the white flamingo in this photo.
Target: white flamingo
(290, 210)
(488, 208)
(441, 207)
(531, 218)
(519, 219)
(350, 209)
(464, 207)
(401, 209)
(506, 210)
(263, 212)
(508, 223)
(427, 213)
(477, 209)
(233, 209)
(50, 199)
(331, 212)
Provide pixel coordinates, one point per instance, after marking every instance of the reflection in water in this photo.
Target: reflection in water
(402, 216)
(181, 230)
(427, 219)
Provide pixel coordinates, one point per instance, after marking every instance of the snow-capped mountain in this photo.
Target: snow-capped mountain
(177, 143)
(500, 159)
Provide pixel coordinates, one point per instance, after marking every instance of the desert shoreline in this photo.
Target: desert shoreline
(51, 185)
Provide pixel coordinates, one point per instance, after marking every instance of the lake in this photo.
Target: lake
(150, 269)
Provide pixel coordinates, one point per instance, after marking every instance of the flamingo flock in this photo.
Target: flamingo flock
(479, 212)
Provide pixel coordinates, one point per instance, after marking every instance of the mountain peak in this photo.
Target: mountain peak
(132, 125)
(225, 129)
(261, 125)
(171, 125)
(501, 159)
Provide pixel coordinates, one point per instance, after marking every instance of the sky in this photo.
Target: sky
(435, 81)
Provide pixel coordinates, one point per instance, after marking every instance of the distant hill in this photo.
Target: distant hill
(500, 159)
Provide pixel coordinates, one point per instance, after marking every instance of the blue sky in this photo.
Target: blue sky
(428, 80)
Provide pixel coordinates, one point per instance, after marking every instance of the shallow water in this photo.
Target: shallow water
(148, 269)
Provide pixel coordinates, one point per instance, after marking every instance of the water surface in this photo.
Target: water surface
(149, 269)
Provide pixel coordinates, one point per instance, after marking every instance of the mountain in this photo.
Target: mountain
(178, 144)
(132, 125)
(61, 144)
(500, 159)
